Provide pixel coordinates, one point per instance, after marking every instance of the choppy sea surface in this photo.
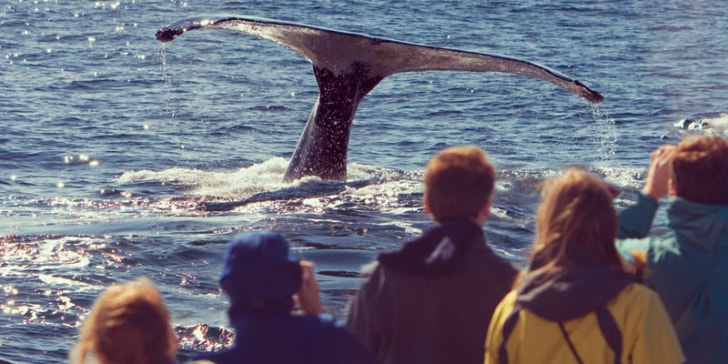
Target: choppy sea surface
(111, 141)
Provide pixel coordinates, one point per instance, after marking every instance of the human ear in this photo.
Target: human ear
(484, 211)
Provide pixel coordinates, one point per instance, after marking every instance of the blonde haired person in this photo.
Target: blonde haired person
(576, 303)
(688, 262)
(430, 302)
(128, 323)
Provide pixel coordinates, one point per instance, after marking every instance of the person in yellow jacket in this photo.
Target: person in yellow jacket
(577, 303)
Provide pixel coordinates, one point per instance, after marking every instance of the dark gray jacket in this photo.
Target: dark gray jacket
(431, 302)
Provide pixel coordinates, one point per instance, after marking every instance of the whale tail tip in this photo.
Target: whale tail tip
(594, 97)
(589, 94)
(166, 34)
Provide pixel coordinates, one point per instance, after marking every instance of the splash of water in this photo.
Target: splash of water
(605, 129)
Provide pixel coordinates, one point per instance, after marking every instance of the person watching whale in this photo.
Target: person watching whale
(430, 302)
(577, 302)
(262, 282)
(128, 323)
(688, 263)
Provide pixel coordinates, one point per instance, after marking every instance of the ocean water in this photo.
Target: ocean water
(112, 142)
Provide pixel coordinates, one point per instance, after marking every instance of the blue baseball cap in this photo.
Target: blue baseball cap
(258, 271)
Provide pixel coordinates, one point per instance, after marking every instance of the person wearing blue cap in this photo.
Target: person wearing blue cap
(262, 281)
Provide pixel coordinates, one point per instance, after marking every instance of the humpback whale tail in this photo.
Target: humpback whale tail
(347, 66)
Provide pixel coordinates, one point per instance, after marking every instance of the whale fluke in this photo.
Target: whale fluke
(347, 66)
(167, 34)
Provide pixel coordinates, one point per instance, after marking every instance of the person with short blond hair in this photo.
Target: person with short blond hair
(430, 302)
(577, 303)
(128, 323)
(688, 264)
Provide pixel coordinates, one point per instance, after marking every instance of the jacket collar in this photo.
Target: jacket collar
(564, 293)
(437, 252)
(705, 225)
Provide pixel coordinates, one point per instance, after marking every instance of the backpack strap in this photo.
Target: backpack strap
(571, 344)
(508, 326)
(610, 331)
(607, 325)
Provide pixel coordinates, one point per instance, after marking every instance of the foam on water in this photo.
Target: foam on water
(261, 177)
(713, 124)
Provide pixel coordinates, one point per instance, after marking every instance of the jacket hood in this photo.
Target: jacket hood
(704, 225)
(437, 252)
(258, 275)
(566, 293)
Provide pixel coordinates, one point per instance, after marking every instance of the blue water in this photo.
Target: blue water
(112, 141)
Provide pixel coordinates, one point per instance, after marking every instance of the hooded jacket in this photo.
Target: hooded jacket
(590, 313)
(431, 301)
(688, 268)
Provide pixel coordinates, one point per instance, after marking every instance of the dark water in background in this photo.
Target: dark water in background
(111, 140)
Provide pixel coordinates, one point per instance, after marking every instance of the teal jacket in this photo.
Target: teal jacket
(688, 267)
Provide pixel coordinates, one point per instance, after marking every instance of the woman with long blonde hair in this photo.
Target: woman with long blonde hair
(128, 323)
(577, 303)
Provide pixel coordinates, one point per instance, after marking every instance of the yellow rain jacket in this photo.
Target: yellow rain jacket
(645, 333)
